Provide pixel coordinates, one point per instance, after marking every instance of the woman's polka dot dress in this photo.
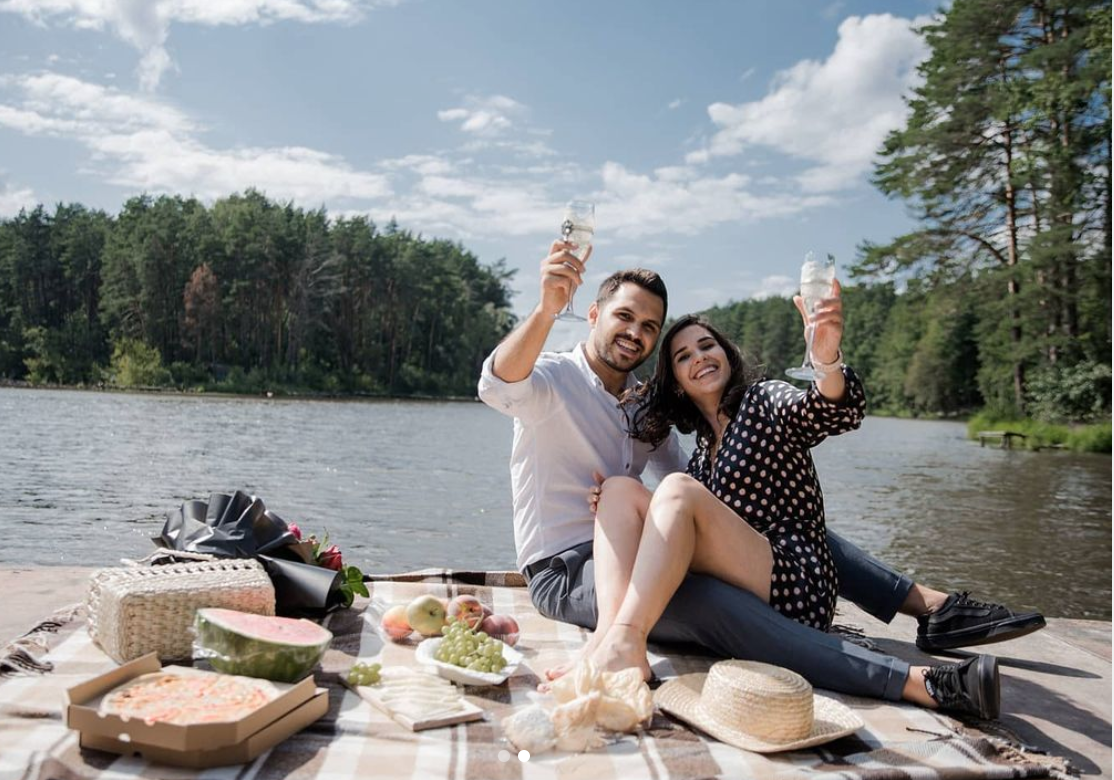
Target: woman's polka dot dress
(764, 471)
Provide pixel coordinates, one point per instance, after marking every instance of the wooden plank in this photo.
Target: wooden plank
(1004, 438)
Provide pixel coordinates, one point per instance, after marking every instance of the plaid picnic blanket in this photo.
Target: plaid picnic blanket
(355, 740)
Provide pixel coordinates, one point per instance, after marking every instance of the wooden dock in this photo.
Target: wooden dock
(1056, 683)
(1004, 439)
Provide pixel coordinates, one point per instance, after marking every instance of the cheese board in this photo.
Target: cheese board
(418, 700)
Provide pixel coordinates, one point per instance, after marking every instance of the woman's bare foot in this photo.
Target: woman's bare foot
(561, 670)
(623, 646)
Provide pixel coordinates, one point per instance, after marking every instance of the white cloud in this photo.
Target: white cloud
(446, 187)
(14, 198)
(425, 164)
(69, 105)
(157, 161)
(678, 200)
(659, 259)
(145, 24)
(474, 208)
(834, 113)
(775, 286)
(487, 188)
(675, 104)
(531, 150)
(698, 157)
(145, 144)
(484, 116)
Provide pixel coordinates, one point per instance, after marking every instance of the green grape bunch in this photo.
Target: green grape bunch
(364, 674)
(471, 649)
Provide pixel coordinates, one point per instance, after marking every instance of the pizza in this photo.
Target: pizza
(187, 699)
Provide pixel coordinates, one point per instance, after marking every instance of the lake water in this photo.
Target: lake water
(86, 478)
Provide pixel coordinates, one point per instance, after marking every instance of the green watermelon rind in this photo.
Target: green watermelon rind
(232, 650)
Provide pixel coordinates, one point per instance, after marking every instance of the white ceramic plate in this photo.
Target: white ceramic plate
(425, 655)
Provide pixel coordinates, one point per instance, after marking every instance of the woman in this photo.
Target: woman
(751, 464)
(749, 510)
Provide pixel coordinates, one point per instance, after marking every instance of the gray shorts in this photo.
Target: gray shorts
(566, 589)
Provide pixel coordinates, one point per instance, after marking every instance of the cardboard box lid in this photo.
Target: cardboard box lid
(240, 753)
(83, 701)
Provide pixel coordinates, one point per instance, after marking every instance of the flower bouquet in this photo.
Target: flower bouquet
(309, 576)
(330, 557)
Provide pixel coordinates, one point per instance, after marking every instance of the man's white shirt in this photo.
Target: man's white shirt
(566, 425)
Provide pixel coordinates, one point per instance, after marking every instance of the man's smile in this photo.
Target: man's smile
(629, 346)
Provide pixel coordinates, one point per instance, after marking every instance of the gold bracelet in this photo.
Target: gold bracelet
(829, 368)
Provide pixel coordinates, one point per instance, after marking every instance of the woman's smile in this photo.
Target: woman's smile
(704, 371)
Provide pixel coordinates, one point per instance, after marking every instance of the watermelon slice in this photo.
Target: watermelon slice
(274, 648)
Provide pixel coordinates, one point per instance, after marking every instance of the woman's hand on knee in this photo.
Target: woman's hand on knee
(594, 491)
(619, 491)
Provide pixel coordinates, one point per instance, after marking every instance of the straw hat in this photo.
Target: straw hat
(757, 707)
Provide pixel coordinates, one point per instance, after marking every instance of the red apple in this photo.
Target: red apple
(502, 627)
(396, 625)
(468, 609)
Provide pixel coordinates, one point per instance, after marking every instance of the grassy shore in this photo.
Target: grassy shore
(1041, 435)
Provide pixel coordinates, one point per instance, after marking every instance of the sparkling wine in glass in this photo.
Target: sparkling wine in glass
(816, 283)
(577, 227)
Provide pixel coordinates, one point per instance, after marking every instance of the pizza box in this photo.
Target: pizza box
(84, 700)
(240, 753)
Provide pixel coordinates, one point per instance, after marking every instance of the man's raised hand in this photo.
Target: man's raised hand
(561, 274)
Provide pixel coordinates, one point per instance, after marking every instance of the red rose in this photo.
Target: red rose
(294, 529)
(330, 558)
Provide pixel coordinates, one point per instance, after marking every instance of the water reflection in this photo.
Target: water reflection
(85, 478)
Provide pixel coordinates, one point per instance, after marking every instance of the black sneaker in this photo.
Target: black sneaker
(971, 687)
(962, 622)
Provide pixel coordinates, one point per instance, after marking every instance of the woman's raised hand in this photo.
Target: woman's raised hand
(828, 322)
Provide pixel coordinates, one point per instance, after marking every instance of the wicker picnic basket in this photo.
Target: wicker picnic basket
(135, 610)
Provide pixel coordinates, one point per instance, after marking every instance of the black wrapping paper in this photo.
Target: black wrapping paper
(237, 525)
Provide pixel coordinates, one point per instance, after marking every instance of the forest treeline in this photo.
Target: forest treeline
(999, 299)
(245, 295)
(1004, 161)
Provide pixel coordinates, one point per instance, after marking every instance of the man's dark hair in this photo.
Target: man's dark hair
(646, 279)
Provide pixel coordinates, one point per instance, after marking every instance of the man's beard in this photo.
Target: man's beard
(607, 360)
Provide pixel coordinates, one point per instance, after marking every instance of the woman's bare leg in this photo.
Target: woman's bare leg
(619, 517)
(624, 504)
(686, 529)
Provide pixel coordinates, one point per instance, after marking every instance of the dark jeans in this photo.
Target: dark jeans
(734, 623)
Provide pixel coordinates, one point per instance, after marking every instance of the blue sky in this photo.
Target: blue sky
(720, 140)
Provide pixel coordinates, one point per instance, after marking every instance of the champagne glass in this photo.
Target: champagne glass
(577, 227)
(816, 283)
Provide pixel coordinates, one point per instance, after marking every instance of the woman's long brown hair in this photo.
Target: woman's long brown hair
(658, 404)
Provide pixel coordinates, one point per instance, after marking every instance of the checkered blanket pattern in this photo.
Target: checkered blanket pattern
(356, 740)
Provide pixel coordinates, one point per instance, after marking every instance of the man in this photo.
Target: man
(568, 424)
